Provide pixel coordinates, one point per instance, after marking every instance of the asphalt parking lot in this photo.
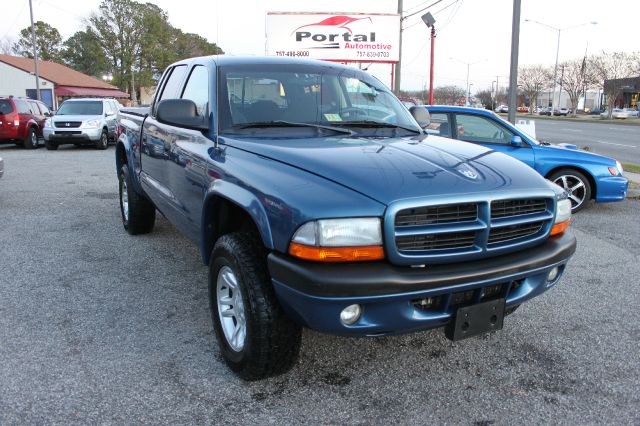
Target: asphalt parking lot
(100, 327)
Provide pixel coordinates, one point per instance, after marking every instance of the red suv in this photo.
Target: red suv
(22, 120)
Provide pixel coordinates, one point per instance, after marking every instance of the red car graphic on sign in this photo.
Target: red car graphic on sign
(340, 21)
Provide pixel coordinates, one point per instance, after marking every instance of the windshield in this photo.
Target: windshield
(81, 108)
(254, 95)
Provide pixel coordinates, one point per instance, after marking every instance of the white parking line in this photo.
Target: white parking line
(617, 144)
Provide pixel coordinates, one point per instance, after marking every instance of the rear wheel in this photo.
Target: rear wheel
(577, 186)
(138, 213)
(103, 143)
(31, 141)
(256, 338)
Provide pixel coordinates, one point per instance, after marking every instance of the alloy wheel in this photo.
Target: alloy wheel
(575, 188)
(231, 308)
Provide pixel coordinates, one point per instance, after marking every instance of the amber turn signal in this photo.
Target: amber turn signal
(336, 254)
(559, 228)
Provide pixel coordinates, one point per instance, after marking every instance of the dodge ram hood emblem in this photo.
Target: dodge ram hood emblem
(467, 171)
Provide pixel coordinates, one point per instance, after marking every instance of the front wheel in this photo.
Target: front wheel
(103, 143)
(51, 146)
(256, 339)
(138, 213)
(576, 185)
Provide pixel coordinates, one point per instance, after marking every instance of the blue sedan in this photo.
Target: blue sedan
(582, 174)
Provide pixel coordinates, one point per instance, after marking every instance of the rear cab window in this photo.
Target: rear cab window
(171, 87)
(197, 89)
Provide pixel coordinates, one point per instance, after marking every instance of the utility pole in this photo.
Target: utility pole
(398, 66)
(35, 52)
(513, 74)
(433, 44)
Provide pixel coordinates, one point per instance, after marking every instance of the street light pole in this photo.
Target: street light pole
(555, 69)
(468, 64)
(35, 52)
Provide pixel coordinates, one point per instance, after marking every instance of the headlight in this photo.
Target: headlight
(92, 123)
(339, 240)
(563, 217)
(619, 167)
(47, 122)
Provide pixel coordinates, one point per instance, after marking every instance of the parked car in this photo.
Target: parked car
(633, 113)
(561, 112)
(523, 108)
(22, 121)
(545, 111)
(584, 175)
(502, 108)
(82, 121)
(311, 213)
(617, 113)
(1, 167)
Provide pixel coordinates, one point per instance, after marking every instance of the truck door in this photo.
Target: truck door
(155, 142)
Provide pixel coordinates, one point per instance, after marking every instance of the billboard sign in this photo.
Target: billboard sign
(343, 37)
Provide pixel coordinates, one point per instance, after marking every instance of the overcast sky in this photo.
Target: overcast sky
(470, 30)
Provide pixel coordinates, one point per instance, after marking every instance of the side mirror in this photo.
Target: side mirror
(47, 114)
(516, 141)
(181, 113)
(421, 115)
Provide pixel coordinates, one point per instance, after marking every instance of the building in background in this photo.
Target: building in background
(629, 96)
(57, 82)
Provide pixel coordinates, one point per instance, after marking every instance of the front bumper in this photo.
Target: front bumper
(314, 294)
(612, 188)
(71, 135)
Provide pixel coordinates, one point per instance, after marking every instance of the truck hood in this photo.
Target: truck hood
(391, 169)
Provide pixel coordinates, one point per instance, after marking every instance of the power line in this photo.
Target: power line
(416, 6)
(15, 21)
(423, 9)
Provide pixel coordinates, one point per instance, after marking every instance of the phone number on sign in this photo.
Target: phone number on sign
(367, 54)
(292, 53)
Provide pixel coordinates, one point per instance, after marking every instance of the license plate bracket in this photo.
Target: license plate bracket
(476, 319)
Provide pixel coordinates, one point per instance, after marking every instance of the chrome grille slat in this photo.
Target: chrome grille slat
(67, 124)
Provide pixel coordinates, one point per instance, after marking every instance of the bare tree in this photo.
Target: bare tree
(533, 79)
(576, 78)
(6, 46)
(448, 95)
(611, 69)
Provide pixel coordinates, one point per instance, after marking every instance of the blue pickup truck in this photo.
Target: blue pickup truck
(317, 199)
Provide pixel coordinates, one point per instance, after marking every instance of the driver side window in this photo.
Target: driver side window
(471, 128)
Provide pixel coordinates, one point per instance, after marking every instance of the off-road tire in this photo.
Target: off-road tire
(103, 142)
(141, 212)
(272, 341)
(31, 141)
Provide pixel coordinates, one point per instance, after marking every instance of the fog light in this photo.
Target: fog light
(350, 314)
(553, 274)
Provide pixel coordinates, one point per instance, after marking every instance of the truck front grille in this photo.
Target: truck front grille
(67, 124)
(467, 230)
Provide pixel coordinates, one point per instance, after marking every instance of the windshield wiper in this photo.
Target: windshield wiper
(376, 124)
(282, 123)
